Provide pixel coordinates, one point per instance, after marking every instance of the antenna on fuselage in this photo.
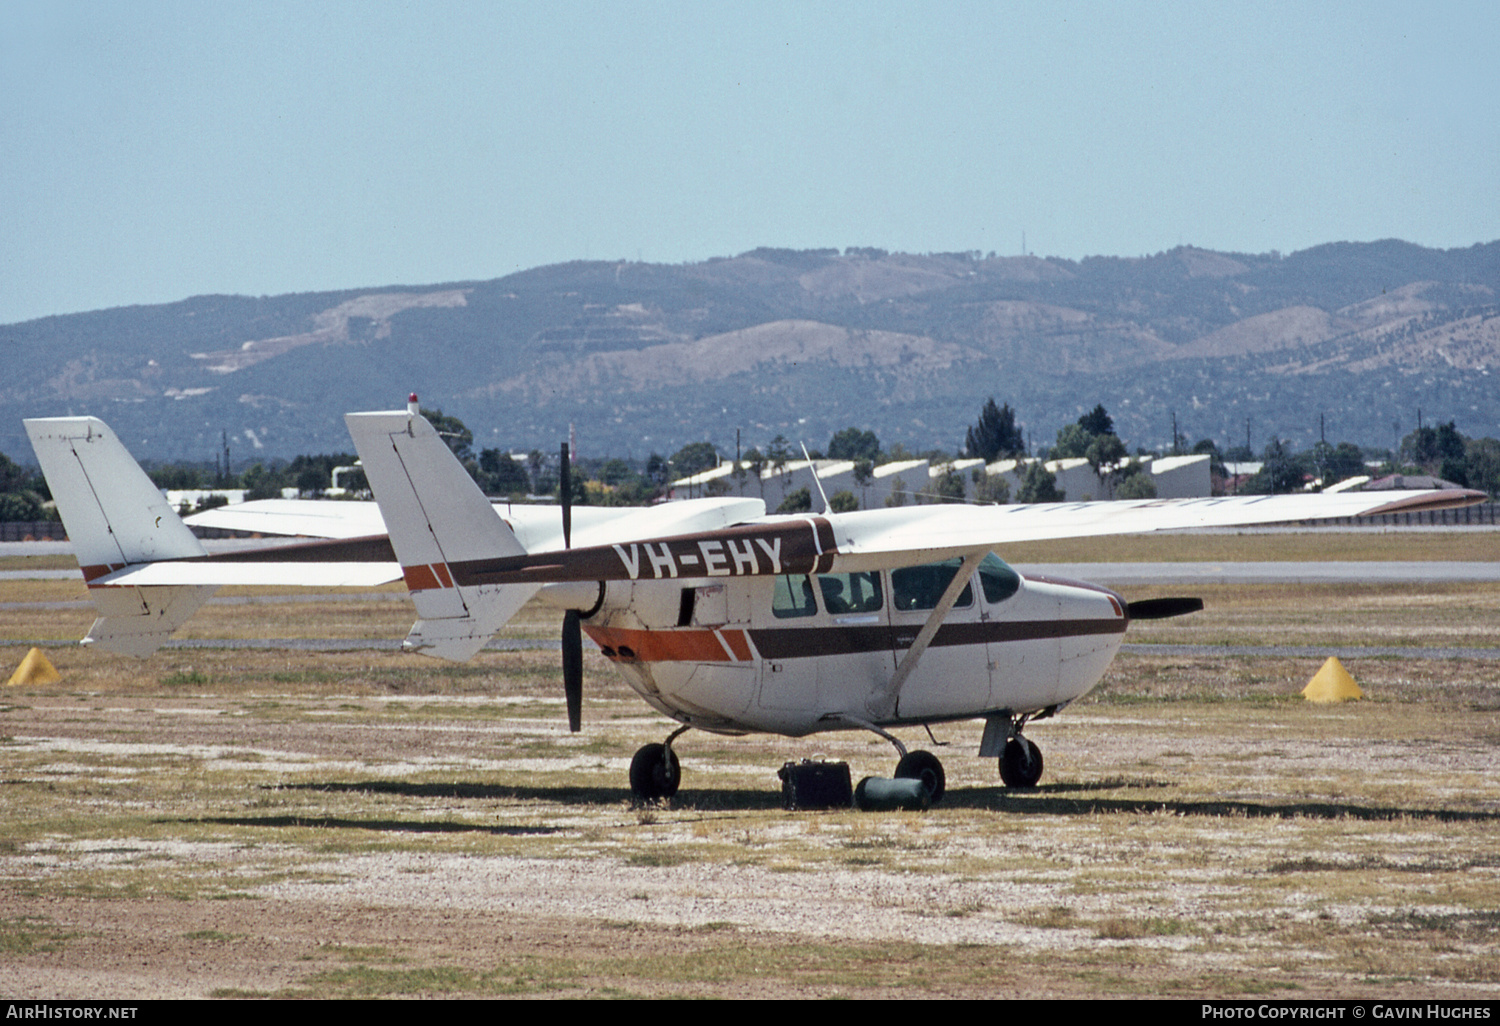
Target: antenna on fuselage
(816, 479)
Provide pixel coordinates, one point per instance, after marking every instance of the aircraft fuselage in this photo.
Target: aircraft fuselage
(797, 654)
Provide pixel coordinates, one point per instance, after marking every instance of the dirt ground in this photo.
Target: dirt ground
(361, 824)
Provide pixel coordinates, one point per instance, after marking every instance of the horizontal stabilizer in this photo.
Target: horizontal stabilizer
(262, 575)
(297, 518)
(138, 621)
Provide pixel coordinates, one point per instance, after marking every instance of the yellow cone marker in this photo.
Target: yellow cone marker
(1332, 684)
(35, 669)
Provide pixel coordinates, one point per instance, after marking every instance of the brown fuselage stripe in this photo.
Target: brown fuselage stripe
(793, 547)
(702, 645)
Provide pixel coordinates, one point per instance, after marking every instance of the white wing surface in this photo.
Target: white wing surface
(874, 538)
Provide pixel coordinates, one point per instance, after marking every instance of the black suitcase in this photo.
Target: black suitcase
(812, 784)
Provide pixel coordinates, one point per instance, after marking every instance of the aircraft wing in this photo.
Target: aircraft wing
(874, 538)
(906, 536)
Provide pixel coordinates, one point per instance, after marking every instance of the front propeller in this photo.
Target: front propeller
(572, 628)
(572, 665)
(1162, 608)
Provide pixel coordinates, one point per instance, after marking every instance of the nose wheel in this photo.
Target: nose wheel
(1020, 762)
(655, 772)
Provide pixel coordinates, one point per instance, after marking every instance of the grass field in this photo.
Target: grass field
(361, 824)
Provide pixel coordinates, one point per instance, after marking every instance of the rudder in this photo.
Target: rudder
(437, 516)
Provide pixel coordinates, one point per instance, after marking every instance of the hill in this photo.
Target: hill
(645, 357)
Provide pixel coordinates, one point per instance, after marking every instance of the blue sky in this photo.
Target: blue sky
(155, 150)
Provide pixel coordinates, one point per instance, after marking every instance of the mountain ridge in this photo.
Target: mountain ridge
(642, 357)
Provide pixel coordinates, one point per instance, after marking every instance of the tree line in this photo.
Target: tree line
(1440, 451)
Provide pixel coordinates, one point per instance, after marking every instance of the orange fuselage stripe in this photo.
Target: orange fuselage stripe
(672, 646)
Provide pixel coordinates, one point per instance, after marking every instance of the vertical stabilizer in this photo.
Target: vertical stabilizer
(116, 517)
(437, 517)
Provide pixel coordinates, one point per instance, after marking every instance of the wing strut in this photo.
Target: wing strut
(882, 704)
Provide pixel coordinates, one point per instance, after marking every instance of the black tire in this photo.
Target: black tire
(1021, 763)
(926, 767)
(654, 773)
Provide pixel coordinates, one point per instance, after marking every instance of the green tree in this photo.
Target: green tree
(615, 471)
(15, 506)
(260, 483)
(458, 438)
(657, 470)
(842, 502)
(311, 481)
(799, 501)
(996, 434)
(899, 495)
(1483, 465)
(778, 452)
(854, 444)
(1106, 455)
(1072, 442)
(1038, 484)
(1279, 472)
(1097, 421)
(1207, 447)
(990, 488)
(694, 458)
(176, 477)
(13, 476)
(22, 493)
(1135, 483)
(501, 475)
(947, 486)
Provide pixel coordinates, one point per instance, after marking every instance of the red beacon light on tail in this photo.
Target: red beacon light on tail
(411, 404)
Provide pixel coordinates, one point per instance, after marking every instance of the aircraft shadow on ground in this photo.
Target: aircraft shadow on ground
(742, 799)
(1051, 800)
(1046, 800)
(399, 826)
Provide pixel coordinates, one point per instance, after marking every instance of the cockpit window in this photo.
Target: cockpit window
(851, 593)
(997, 579)
(793, 597)
(920, 587)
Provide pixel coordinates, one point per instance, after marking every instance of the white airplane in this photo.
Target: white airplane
(719, 616)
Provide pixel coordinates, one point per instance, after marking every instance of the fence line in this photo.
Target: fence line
(32, 530)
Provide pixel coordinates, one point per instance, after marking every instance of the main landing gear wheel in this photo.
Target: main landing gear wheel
(654, 772)
(1020, 763)
(923, 766)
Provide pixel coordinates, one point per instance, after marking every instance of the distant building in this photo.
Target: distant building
(910, 482)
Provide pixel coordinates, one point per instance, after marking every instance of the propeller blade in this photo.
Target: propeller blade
(1162, 608)
(572, 662)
